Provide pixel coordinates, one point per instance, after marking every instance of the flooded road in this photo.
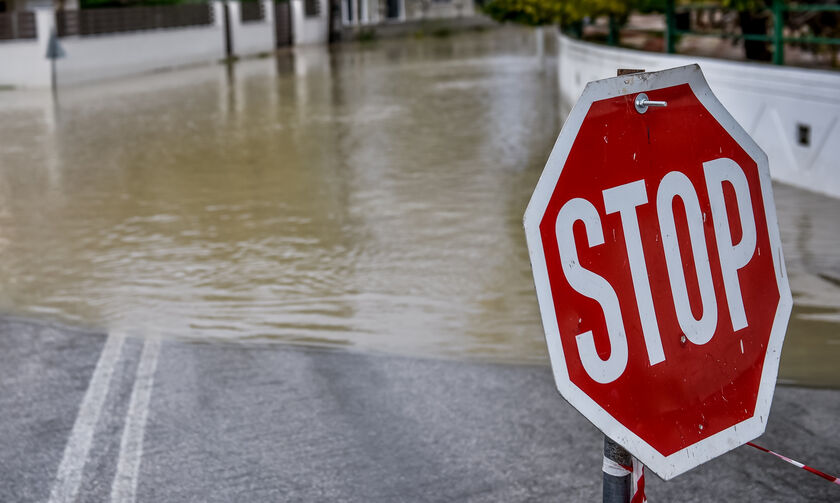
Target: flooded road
(370, 197)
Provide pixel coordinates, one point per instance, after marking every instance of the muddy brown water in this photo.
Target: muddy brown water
(370, 197)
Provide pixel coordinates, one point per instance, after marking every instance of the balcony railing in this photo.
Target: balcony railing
(88, 22)
(17, 25)
(251, 11)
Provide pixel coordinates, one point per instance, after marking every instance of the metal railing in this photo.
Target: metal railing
(283, 23)
(18, 25)
(251, 10)
(777, 38)
(311, 8)
(127, 19)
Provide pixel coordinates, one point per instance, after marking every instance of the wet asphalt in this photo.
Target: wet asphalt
(87, 416)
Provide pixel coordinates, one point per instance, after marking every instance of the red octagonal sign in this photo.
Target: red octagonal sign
(659, 271)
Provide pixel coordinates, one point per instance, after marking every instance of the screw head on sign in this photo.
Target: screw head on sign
(642, 103)
(682, 339)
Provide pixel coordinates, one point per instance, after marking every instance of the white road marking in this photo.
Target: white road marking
(69, 476)
(124, 487)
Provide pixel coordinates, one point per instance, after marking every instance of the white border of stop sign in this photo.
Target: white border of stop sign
(605, 371)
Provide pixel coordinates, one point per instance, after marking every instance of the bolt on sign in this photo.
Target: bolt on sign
(658, 267)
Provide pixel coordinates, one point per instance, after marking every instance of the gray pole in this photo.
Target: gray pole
(53, 84)
(617, 489)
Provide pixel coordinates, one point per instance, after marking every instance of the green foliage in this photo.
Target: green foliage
(528, 12)
(565, 12)
(647, 6)
(745, 5)
(366, 35)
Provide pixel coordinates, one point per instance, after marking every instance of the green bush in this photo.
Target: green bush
(563, 12)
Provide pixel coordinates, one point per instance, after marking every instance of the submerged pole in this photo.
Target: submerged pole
(618, 482)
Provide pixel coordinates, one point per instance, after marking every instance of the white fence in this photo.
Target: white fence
(252, 37)
(110, 55)
(23, 61)
(442, 9)
(366, 12)
(793, 113)
(88, 57)
(309, 29)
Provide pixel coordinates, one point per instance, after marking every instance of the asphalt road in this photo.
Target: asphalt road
(90, 417)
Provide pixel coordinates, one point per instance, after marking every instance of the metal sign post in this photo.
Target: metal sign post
(54, 52)
(618, 485)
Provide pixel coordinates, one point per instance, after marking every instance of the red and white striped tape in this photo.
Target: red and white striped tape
(797, 464)
(637, 470)
(638, 482)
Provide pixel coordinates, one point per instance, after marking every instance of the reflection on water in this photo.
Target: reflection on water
(371, 197)
(810, 228)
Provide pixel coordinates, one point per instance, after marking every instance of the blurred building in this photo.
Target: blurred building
(360, 12)
(94, 43)
(29, 5)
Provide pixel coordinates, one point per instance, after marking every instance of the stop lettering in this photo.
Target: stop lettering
(659, 270)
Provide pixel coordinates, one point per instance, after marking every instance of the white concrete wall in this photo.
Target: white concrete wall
(437, 9)
(23, 63)
(309, 30)
(252, 37)
(769, 102)
(374, 11)
(112, 55)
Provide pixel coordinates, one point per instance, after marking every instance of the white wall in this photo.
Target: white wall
(309, 30)
(768, 101)
(252, 37)
(23, 63)
(438, 10)
(111, 55)
(374, 11)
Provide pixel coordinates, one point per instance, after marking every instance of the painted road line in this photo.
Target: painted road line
(69, 476)
(124, 487)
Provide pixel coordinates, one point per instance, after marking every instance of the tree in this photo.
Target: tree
(528, 12)
(562, 12)
(753, 18)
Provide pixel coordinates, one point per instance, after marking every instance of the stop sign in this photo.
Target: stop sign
(659, 272)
